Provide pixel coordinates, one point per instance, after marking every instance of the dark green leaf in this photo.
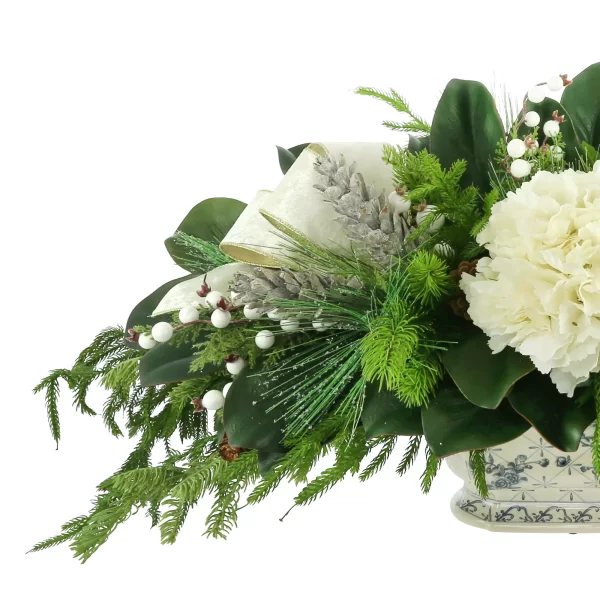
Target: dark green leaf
(484, 378)
(210, 221)
(559, 420)
(267, 459)
(288, 156)
(466, 125)
(385, 414)
(452, 424)
(545, 110)
(248, 421)
(418, 143)
(167, 363)
(140, 315)
(581, 102)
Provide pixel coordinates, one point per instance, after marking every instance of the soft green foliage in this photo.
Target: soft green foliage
(106, 352)
(201, 255)
(399, 353)
(432, 467)
(350, 449)
(477, 463)
(219, 343)
(596, 440)
(386, 445)
(414, 124)
(429, 183)
(428, 278)
(410, 454)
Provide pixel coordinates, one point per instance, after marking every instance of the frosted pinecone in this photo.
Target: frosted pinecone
(266, 286)
(365, 214)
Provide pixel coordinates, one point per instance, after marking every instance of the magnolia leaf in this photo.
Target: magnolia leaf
(287, 157)
(140, 315)
(417, 144)
(266, 460)
(582, 106)
(452, 424)
(210, 221)
(560, 420)
(385, 414)
(466, 125)
(167, 363)
(250, 416)
(484, 378)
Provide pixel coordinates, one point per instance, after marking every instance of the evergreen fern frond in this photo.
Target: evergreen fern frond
(233, 480)
(350, 453)
(432, 466)
(173, 519)
(387, 444)
(396, 101)
(410, 455)
(477, 463)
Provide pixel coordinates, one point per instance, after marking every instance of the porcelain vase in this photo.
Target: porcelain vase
(533, 487)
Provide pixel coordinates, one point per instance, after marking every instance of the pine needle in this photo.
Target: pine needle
(477, 463)
(410, 455)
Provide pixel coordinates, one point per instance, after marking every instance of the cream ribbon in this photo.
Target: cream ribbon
(295, 202)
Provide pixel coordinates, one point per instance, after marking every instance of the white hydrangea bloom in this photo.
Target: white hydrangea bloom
(539, 292)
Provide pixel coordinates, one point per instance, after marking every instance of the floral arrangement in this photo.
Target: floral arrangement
(446, 292)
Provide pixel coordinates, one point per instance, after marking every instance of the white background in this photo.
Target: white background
(116, 117)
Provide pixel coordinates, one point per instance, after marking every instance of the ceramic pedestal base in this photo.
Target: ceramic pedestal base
(533, 487)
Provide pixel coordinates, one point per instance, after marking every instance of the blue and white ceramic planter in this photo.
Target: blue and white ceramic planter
(533, 487)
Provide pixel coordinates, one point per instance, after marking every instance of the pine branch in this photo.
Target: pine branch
(350, 453)
(416, 124)
(201, 256)
(233, 480)
(432, 466)
(410, 455)
(387, 444)
(477, 463)
(173, 520)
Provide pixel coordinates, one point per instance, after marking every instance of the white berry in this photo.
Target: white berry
(536, 94)
(226, 388)
(444, 250)
(532, 119)
(213, 400)
(235, 367)
(596, 167)
(220, 318)
(188, 314)
(520, 168)
(516, 148)
(321, 325)
(437, 223)
(551, 128)
(213, 298)
(146, 342)
(290, 324)
(253, 313)
(555, 83)
(556, 151)
(398, 203)
(264, 339)
(275, 315)
(162, 332)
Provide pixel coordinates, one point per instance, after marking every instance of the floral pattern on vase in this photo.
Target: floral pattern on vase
(532, 483)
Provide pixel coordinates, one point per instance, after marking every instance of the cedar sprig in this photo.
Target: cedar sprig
(414, 124)
(477, 464)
